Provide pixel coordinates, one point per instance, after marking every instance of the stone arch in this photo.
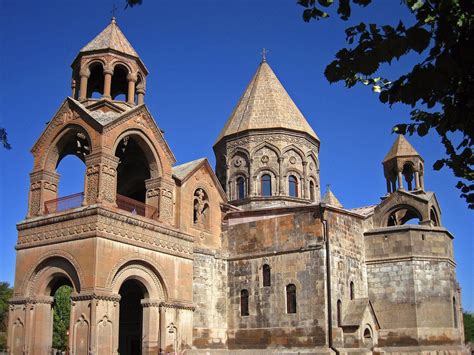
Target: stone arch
(297, 151)
(233, 183)
(434, 216)
(268, 145)
(28, 280)
(142, 269)
(95, 83)
(115, 63)
(400, 214)
(65, 143)
(51, 273)
(238, 150)
(149, 148)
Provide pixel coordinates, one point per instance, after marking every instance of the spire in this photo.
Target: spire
(265, 104)
(111, 38)
(401, 148)
(330, 199)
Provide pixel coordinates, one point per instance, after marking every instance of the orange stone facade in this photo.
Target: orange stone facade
(166, 258)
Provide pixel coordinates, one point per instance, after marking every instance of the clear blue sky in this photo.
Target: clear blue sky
(201, 55)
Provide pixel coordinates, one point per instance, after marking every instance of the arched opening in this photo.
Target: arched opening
(266, 275)
(119, 86)
(408, 173)
(339, 313)
(95, 83)
(434, 218)
(61, 314)
(368, 341)
(133, 169)
(293, 186)
(266, 185)
(67, 158)
(240, 188)
(404, 215)
(312, 192)
(201, 209)
(71, 171)
(290, 298)
(455, 313)
(131, 317)
(351, 290)
(244, 303)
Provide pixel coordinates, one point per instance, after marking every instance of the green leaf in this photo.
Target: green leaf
(422, 129)
(418, 38)
(325, 3)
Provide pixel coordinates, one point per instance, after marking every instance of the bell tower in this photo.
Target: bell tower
(108, 68)
(116, 243)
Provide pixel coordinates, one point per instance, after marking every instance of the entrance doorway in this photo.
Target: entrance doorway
(131, 318)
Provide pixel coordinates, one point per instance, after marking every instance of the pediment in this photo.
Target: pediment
(68, 113)
(141, 116)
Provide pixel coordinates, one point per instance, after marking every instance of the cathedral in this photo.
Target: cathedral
(167, 258)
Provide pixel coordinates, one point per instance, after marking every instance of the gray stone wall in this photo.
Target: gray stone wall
(211, 301)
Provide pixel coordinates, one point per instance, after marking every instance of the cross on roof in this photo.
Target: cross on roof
(264, 55)
(114, 10)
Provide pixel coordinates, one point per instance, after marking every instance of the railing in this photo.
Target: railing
(136, 207)
(64, 203)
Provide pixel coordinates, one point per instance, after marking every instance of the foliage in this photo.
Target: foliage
(468, 327)
(4, 139)
(61, 315)
(439, 88)
(6, 292)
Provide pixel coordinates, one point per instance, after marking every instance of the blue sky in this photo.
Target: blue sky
(201, 55)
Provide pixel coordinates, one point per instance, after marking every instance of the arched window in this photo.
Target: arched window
(455, 313)
(351, 290)
(408, 174)
(240, 188)
(266, 185)
(119, 86)
(266, 275)
(312, 193)
(95, 83)
(339, 313)
(291, 298)
(244, 303)
(201, 208)
(293, 186)
(404, 215)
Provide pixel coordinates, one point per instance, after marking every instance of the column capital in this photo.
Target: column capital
(85, 72)
(132, 77)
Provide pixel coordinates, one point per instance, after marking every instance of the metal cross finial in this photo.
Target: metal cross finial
(264, 55)
(328, 187)
(114, 10)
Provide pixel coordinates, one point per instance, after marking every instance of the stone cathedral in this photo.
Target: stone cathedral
(249, 259)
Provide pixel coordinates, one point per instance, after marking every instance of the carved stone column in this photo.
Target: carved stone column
(73, 88)
(101, 179)
(400, 181)
(279, 186)
(166, 189)
(132, 79)
(43, 187)
(304, 181)
(151, 326)
(108, 72)
(84, 74)
(152, 198)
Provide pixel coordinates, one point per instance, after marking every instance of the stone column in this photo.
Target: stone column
(417, 180)
(166, 188)
(141, 95)
(101, 175)
(108, 72)
(132, 79)
(151, 326)
(42, 315)
(304, 181)
(400, 181)
(152, 198)
(389, 190)
(279, 181)
(422, 182)
(84, 74)
(73, 88)
(43, 187)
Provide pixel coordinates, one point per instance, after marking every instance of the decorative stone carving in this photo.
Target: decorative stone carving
(265, 159)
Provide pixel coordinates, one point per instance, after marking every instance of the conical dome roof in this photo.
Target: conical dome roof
(265, 104)
(401, 148)
(111, 38)
(331, 199)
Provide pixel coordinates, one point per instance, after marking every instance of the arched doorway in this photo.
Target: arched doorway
(131, 317)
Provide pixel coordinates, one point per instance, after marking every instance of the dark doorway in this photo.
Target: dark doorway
(131, 318)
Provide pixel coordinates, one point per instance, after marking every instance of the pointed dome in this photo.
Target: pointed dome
(265, 104)
(401, 148)
(111, 38)
(331, 199)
